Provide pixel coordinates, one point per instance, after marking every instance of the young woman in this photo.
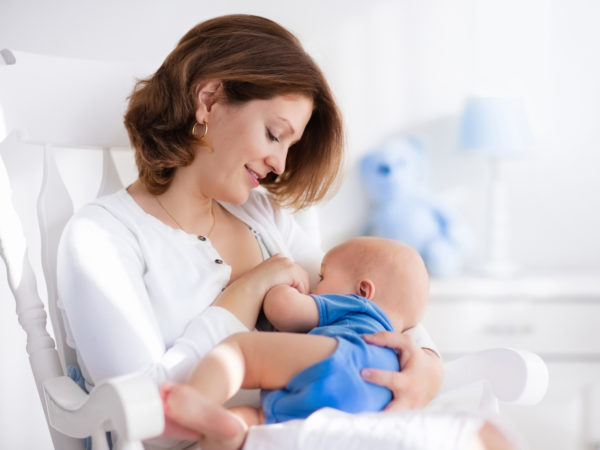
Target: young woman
(154, 276)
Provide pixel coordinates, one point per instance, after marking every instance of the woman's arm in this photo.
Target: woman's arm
(104, 278)
(254, 285)
(289, 310)
(421, 375)
(136, 299)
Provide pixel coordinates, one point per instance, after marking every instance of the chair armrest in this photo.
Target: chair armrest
(512, 375)
(129, 405)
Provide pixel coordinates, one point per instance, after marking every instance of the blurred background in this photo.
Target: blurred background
(397, 68)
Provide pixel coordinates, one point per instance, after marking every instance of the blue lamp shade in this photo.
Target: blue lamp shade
(494, 126)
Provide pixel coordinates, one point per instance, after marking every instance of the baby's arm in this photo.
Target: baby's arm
(289, 310)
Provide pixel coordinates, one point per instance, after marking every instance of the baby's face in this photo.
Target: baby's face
(335, 277)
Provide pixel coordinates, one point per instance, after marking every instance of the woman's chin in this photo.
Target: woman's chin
(238, 198)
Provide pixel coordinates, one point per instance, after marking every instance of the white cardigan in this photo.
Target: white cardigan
(135, 293)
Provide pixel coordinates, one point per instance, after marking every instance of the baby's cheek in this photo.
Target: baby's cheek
(318, 290)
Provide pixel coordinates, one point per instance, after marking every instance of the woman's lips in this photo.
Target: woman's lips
(254, 177)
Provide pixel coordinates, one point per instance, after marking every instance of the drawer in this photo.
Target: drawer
(560, 328)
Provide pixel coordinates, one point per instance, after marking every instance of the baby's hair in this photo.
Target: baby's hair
(398, 271)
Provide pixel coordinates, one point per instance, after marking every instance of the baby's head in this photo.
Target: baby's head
(387, 272)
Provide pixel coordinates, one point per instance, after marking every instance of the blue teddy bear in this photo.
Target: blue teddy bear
(402, 211)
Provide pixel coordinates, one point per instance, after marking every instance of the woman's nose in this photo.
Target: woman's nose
(276, 160)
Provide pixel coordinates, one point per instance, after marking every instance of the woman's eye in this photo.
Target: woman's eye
(271, 137)
(320, 277)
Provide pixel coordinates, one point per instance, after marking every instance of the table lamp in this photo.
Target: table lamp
(495, 128)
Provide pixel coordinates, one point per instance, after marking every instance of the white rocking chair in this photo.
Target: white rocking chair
(60, 104)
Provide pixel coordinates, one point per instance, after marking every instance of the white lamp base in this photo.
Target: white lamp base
(497, 262)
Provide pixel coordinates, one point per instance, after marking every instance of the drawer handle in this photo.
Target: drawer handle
(508, 330)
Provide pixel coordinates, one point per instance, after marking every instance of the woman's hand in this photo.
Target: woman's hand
(280, 270)
(245, 295)
(421, 375)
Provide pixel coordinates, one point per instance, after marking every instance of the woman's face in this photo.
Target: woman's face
(248, 141)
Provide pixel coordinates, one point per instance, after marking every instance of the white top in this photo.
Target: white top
(135, 293)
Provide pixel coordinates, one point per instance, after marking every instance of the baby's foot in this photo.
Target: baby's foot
(490, 437)
(186, 406)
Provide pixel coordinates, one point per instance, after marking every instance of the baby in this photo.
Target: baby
(367, 285)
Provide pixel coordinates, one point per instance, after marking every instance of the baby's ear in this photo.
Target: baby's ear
(366, 289)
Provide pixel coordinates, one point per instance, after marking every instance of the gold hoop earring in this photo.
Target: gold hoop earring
(205, 129)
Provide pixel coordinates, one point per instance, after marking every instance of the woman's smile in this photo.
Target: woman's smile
(254, 177)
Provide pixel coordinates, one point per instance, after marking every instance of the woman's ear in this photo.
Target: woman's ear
(366, 289)
(207, 94)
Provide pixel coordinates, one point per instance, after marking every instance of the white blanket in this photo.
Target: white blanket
(329, 429)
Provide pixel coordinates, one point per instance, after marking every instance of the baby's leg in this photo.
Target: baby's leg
(249, 414)
(257, 360)
(244, 360)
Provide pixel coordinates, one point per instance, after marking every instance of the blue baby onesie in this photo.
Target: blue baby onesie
(336, 382)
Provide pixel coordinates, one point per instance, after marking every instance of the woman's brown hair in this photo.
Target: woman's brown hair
(254, 58)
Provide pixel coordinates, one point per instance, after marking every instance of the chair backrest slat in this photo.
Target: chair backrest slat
(43, 357)
(54, 207)
(110, 177)
(74, 109)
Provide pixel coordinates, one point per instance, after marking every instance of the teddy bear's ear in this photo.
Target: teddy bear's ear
(366, 163)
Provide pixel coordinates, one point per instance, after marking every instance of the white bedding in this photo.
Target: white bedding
(329, 429)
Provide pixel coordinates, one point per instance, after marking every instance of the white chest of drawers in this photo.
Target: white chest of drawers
(558, 317)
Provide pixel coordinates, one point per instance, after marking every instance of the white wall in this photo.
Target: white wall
(394, 66)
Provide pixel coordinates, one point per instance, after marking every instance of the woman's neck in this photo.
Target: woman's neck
(180, 206)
